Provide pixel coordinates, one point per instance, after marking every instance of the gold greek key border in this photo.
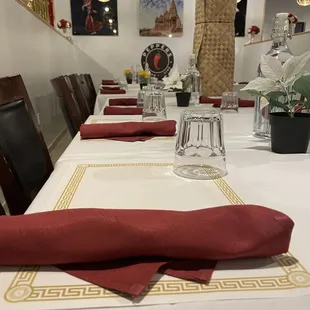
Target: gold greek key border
(22, 289)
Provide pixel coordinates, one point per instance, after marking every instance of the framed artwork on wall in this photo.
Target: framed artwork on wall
(94, 17)
(240, 18)
(161, 18)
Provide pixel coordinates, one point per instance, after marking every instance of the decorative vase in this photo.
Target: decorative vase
(142, 85)
(252, 38)
(290, 135)
(183, 99)
(129, 81)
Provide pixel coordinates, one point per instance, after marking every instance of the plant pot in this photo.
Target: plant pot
(129, 81)
(289, 135)
(142, 85)
(183, 99)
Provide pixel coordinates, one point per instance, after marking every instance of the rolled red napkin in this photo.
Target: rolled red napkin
(108, 82)
(110, 88)
(122, 111)
(128, 131)
(242, 104)
(127, 247)
(210, 100)
(123, 102)
(112, 92)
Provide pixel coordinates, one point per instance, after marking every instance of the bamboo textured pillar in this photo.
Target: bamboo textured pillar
(214, 45)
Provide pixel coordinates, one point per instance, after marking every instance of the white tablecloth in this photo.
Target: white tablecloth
(120, 175)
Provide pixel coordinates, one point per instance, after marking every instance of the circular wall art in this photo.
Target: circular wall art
(160, 59)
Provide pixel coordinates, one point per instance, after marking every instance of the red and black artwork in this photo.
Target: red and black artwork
(160, 59)
(94, 17)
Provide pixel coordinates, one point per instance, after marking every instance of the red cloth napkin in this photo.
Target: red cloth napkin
(217, 102)
(123, 102)
(210, 100)
(122, 111)
(125, 248)
(128, 131)
(108, 82)
(112, 92)
(110, 88)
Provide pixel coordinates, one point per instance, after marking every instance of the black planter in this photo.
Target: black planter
(289, 135)
(129, 81)
(183, 99)
(142, 85)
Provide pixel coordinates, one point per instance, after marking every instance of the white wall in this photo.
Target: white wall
(288, 6)
(252, 53)
(38, 53)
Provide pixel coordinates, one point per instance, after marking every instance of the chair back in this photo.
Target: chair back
(65, 92)
(1, 210)
(24, 162)
(92, 95)
(63, 107)
(76, 83)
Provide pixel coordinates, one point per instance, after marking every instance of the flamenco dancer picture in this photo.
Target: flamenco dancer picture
(94, 17)
(91, 24)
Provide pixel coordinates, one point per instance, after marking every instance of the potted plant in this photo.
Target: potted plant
(144, 78)
(287, 89)
(184, 97)
(129, 75)
(253, 31)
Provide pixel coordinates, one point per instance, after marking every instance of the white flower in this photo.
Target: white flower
(278, 77)
(174, 80)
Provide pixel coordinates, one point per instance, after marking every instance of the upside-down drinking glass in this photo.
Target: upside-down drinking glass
(230, 102)
(154, 108)
(200, 151)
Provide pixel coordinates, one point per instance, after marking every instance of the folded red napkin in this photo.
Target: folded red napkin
(108, 82)
(210, 100)
(217, 102)
(110, 88)
(128, 131)
(122, 111)
(123, 102)
(112, 92)
(125, 248)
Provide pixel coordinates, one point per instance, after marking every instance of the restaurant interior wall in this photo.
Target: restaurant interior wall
(118, 53)
(37, 52)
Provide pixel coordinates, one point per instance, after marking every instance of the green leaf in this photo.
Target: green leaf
(276, 94)
(302, 86)
(255, 93)
(275, 103)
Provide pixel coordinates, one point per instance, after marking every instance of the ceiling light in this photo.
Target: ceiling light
(107, 9)
(303, 2)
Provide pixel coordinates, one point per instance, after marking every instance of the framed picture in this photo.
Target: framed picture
(94, 17)
(161, 18)
(240, 18)
(300, 27)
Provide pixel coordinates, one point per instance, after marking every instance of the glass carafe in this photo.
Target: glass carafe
(282, 30)
(194, 85)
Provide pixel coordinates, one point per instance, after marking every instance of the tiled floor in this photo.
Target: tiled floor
(55, 154)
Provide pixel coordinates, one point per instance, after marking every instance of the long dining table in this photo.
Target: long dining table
(100, 173)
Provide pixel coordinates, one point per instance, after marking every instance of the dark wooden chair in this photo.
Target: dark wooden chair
(1, 210)
(77, 84)
(24, 160)
(92, 94)
(65, 93)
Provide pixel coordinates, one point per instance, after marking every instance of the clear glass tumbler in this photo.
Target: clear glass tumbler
(230, 102)
(141, 97)
(154, 108)
(200, 151)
